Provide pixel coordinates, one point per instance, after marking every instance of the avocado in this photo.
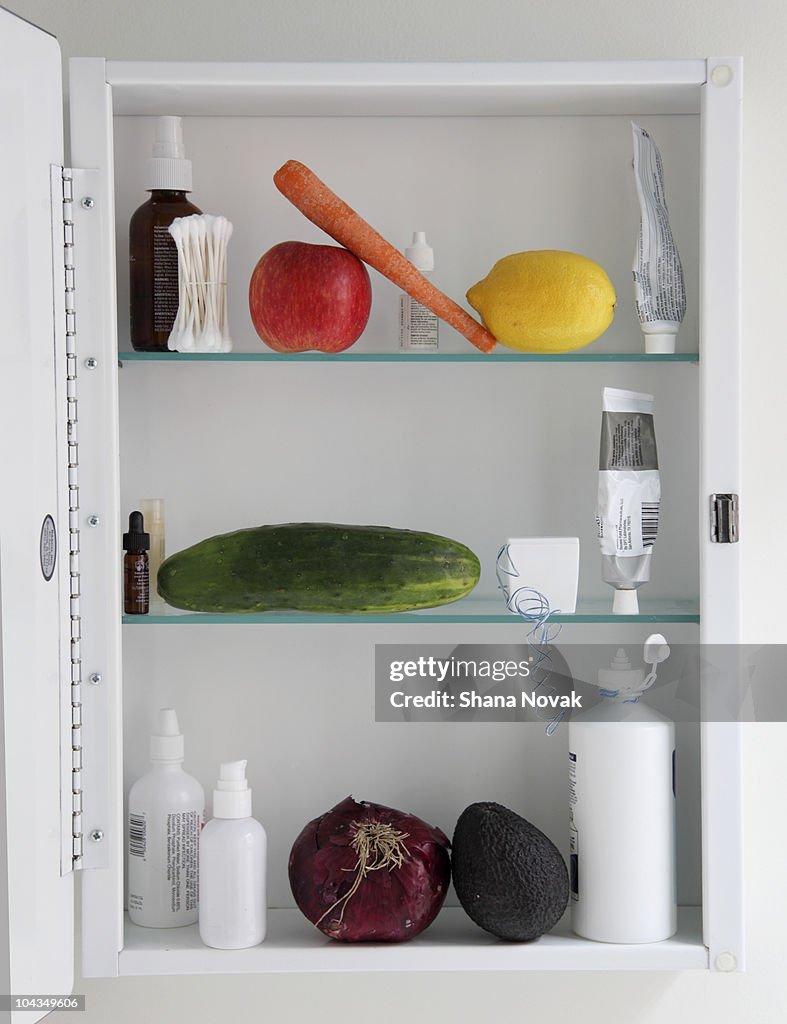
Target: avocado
(509, 877)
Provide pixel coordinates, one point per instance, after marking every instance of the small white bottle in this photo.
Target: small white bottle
(233, 848)
(418, 326)
(622, 830)
(166, 809)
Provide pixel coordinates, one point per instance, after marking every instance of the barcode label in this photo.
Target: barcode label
(137, 835)
(650, 522)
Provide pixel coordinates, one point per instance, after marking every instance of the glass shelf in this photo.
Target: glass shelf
(468, 610)
(406, 357)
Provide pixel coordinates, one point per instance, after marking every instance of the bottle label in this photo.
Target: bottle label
(178, 860)
(418, 325)
(182, 838)
(165, 279)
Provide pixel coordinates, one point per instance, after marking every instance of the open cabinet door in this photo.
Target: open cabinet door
(36, 883)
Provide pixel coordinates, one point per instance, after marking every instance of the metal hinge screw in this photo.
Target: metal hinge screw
(95, 678)
(91, 362)
(93, 520)
(88, 203)
(96, 835)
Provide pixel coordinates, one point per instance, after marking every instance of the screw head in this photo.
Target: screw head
(91, 362)
(88, 203)
(95, 678)
(97, 835)
(726, 961)
(93, 520)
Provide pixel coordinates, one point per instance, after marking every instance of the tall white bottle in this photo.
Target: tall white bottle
(166, 809)
(418, 326)
(622, 829)
(233, 848)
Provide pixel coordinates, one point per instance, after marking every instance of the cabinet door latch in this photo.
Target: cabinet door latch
(724, 525)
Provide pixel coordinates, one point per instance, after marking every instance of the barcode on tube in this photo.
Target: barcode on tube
(137, 835)
(650, 522)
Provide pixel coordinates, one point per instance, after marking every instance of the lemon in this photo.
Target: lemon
(545, 300)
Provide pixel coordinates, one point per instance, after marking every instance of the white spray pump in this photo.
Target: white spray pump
(622, 829)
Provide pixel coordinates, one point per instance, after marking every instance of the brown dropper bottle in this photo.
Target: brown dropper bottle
(153, 255)
(136, 570)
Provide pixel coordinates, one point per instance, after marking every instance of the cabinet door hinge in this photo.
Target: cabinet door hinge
(62, 190)
(724, 519)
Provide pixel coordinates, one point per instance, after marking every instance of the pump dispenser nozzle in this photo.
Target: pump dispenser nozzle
(232, 796)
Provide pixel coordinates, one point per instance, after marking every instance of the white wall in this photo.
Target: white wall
(517, 30)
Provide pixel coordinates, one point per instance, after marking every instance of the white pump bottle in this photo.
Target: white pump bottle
(166, 809)
(622, 791)
(232, 866)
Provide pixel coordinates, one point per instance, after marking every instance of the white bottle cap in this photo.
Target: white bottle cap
(620, 677)
(232, 796)
(168, 167)
(166, 743)
(420, 254)
(625, 602)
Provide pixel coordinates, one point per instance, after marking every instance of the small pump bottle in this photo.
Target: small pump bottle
(418, 326)
(622, 829)
(166, 809)
(153, 255)
(232, 866)
(136, 568)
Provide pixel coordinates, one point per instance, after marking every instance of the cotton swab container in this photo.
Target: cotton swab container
(201, 324)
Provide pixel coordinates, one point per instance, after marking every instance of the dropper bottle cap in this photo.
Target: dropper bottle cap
(168, 167)
(136, 539)
(420, 253)
(166, 743)
(232, 796)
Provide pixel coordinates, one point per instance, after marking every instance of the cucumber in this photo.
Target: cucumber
(318, 567)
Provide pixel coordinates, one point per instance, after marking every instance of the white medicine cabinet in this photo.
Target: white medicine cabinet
(489, 159)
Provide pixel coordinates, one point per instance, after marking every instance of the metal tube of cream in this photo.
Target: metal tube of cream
(659, 292)
(629, 494)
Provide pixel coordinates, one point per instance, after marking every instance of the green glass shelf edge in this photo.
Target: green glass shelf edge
(477, 611)
(405, 357)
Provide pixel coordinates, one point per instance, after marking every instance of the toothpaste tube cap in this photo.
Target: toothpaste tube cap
(659, 344)
(625, 602)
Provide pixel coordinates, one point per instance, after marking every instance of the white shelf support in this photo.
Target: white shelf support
(720, 564)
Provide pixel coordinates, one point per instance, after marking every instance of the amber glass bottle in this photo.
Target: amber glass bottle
(153, 255)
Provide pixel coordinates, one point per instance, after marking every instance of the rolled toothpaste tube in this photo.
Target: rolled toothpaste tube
(629, 494)
(659, 292)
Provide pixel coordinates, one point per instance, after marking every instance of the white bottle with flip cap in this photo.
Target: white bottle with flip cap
(418, 326)
(233, 850)
(622, 806)
(166, 810)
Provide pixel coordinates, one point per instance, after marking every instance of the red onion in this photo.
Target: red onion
(367, 873)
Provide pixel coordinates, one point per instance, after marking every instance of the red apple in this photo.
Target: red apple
(306, 297)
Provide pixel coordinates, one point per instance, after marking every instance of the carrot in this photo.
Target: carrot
(325, 209)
